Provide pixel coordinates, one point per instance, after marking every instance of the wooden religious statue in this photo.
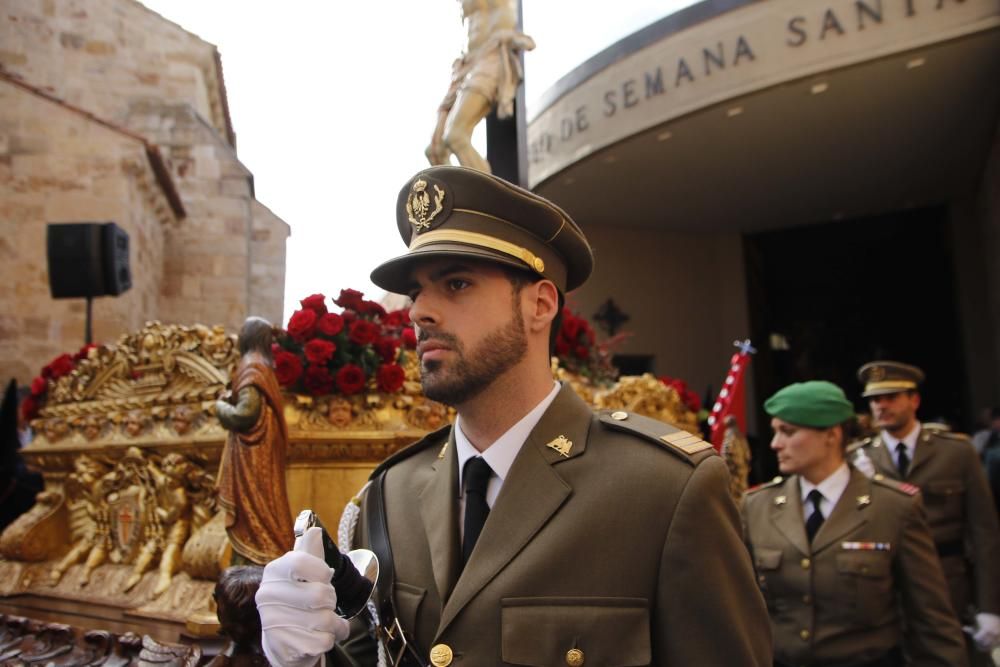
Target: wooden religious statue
(252, 470)
(485, 77)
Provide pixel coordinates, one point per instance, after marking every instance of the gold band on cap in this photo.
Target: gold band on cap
(891, 384)
(482, 240)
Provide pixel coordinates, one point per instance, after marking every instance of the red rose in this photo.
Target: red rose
(58, 367)
(29, 408)
(389, 377)
(349, 316)
(330, 324)
(581, 352)
(409, 337)
(318, 380)
(371, 308)
(84, 352)
(562, 347)
(386, 348)
(302, 324)
(319, 351)
(275, 349)
(350, 379)
(692, 401)
(314, 302)
(287, 368)
(38, 386)
(570, 327)
(350, 298)
(396, 319)
(362, 332)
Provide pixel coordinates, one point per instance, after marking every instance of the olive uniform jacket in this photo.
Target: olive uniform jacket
(869, 583)
(960, 511)
(625, 548)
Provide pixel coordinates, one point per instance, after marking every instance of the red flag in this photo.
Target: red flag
(731, 400)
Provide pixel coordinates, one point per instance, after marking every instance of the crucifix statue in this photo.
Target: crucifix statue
(484, 78)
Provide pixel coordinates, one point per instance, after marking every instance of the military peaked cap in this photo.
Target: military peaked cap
(889, 377)
(460, 212)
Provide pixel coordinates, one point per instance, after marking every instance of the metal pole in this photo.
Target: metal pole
(88, 334)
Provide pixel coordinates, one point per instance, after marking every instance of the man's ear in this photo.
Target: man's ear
(544, 305)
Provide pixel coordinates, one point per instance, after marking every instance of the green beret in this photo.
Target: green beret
(464, 213)
(816, 404)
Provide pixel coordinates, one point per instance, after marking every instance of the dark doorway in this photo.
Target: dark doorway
(825, 299)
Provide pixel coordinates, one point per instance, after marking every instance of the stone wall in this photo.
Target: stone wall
(113, 68)
(105, 55)
(57, 165)
(207, 258)
(267, 264)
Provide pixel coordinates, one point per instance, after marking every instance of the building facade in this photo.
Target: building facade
(821, 176)
(109, 112)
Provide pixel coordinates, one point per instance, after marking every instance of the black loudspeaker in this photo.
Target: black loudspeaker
(87, 259)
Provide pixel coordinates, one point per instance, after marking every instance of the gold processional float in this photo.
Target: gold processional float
(129, 535)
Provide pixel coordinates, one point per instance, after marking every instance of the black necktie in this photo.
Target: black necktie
(477, 477)
(902, 460)
(815, 519)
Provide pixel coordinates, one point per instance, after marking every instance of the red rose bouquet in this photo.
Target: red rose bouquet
(578, 351)
(359, 349)
(688, 397)
(59, 367)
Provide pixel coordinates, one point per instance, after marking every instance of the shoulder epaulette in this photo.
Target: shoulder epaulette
(428, 440)
(687, 446)
(895, 485)
(766, 485)
(858, 444)
(935, 429)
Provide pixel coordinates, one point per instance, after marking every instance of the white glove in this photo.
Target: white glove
(987, 632)
(297, 605)
(863, 464)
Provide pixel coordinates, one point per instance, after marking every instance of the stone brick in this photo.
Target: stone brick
(99, 48)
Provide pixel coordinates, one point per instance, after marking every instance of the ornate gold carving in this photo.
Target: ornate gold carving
(418, 205)
(208, 552)
(736, 452)
(155, 385)
(39, 533)
(647, 396)
(140, 509)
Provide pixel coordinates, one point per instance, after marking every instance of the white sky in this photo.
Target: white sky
(333, 104)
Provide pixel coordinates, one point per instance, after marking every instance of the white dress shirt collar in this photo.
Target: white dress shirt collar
(831, 488)
(910, 440)
(501, 454)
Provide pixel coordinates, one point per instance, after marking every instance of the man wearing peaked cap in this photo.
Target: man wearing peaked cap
(846, 563)
(533, 531)
(464, 213)
(947, 470)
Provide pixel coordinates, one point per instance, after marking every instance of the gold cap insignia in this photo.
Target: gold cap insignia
(561, 445)
(780, 500)
(864, 500)
(876, 374)
(420, 209)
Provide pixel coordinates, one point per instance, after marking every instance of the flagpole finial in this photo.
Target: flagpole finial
(745, 346)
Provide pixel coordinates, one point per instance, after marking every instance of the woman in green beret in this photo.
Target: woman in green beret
(845, 563)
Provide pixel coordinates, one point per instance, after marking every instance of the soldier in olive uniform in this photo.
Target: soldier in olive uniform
(845, 563)
(533, 532)
(947, 470)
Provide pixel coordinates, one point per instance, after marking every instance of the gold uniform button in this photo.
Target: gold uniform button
(804, 634)
(879, 476)
(574, 657)
(805, 563)
(441, 655)
(619, 416)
